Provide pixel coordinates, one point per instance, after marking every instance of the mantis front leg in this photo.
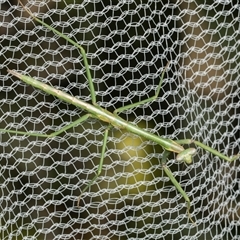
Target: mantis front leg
(186, 155)
(175, 182)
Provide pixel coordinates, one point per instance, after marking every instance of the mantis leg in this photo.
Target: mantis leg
(209, 149)
(176, 183)
(99, 167)
(82, 119)
(118, 110)
(85, 61)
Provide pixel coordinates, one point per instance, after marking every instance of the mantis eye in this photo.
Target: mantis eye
(186, 155)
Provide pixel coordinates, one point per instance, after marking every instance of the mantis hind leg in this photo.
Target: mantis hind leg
(73, 124)
(82, 51)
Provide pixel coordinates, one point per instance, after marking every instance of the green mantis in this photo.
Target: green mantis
(113, 120)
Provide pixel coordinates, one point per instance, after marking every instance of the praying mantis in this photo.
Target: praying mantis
(113, 120)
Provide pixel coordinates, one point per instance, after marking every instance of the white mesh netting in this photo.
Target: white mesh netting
(128, 43)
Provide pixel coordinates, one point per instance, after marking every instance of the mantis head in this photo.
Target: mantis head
(186, 155)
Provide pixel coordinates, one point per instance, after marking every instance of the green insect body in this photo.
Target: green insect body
(95, 111)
